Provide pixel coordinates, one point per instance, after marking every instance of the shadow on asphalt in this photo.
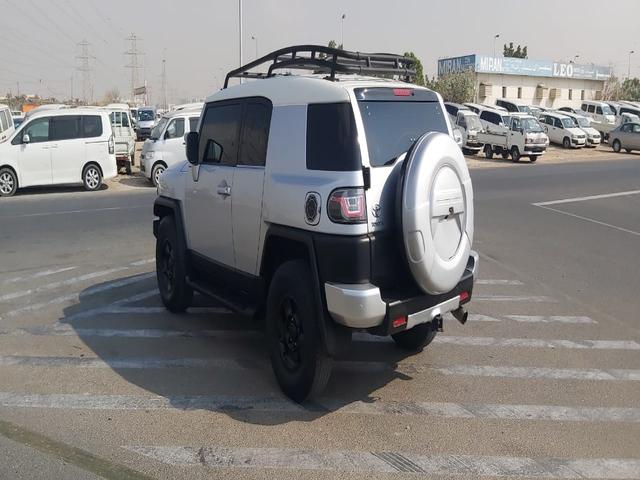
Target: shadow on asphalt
(250, 376)
(28, 191)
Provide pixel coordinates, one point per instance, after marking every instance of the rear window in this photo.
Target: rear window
(65, 127)
(91, 126)
(395, 118)
(332, 140)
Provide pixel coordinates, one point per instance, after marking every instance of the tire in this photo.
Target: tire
(488, 152)
(415, 339)
(171, 267)
(299, 363)
(505, 154)
(616, 145)
(628, 150)
(533, 158)
(91, 177)
(515, 154)
(566, 143)
(157, 170)
(8, 182)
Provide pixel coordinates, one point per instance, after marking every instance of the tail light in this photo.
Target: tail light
(112, 146)
(347, 205)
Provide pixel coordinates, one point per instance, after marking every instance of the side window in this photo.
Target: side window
(599, 110)
(332, 139)
(636, 128)
(549, 120)
(38, 130)
(462, 121)
(193, 124)
(583, 107)
(3, 121)
(219, 134)
(626, 127)
(451, 110)
(557, 123)
(175, 129)
(255, 134)
(125, 120)
(65, 127)
(515, 124)
(91, 126)
(486, 116)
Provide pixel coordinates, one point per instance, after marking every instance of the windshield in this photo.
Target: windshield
(524, 109)
(530, 125)
(157, 130)
(506, 120)
(568, 122)
(146, 115)
(473, 122)
(582, 122)
(606, 109)
(393, 126)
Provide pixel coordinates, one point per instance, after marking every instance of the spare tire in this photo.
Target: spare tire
(436, 203)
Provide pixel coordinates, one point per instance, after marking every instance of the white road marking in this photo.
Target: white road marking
(274, 403)
(515, 298)
(584, 199)
(359, 366)
(587, 219)
(65, 212)
(160, 310)
(375, 463)
(497, 282)
(538, 343)
(45, 273)
(474, 317)
(143, 262)
(550, 319)
(119, 283)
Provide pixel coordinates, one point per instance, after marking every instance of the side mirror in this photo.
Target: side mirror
(192, 140)
(26, 138)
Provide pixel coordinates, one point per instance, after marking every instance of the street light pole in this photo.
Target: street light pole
(629, 65)
(253, 37)
(495, 37)
(344, 15)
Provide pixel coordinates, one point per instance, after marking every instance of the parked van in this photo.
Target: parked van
(522, 137)
(146, 122)
(59, 147)
(165, 147)
(124, 136)
(513, 105)
(6, 123)
(599, 112)
(474, 107)
(452, 110)
(563, 130)
(493, 120)
(469, 125)
(593, 136)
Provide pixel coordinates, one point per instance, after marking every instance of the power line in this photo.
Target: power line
(134, 64)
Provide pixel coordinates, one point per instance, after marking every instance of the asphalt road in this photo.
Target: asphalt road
(96, 379)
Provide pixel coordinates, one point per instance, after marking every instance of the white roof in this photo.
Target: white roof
(302, 90)
(515, 102)
(559, 115)
(187, 112)
(69, 111)
(594, 102)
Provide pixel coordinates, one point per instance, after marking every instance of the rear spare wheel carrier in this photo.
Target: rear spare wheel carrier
(437, 212)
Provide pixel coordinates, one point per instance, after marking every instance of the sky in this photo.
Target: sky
(39, 40)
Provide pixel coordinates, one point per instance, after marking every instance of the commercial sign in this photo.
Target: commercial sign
(140, 90)
(521, 66)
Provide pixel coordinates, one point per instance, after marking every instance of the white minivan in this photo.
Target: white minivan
(166, 146)
(563, 130)
(593, 136)
(6, 123)
(59, 147)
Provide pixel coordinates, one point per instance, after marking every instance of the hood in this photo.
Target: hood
(575, 131)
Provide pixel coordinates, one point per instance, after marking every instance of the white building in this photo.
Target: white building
(535, 82)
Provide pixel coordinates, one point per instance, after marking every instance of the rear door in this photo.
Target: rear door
(34, 157)
(67, 149)
(173, 141)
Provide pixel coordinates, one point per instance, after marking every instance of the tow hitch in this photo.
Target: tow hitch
(460, 314)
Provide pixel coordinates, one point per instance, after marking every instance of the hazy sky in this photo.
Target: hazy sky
(38, 39)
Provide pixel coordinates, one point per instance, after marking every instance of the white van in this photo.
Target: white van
(599, 112)
(124, 136)
(6, 123)
(469, 125)
(593, 136)
(146, 121)
(59, 147)
(166, 146)
(494, 120)
(513, 105)
(563, 130)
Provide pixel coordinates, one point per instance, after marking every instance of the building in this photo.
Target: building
(535, 82)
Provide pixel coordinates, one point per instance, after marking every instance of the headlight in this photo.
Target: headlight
(148, 155)
(574, 137)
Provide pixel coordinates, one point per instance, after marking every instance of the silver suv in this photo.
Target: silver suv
(327, 203)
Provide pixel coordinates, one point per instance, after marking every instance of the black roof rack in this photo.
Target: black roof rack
(322, 59)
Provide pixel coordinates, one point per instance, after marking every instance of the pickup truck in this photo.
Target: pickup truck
(521, 137)
(124, 136)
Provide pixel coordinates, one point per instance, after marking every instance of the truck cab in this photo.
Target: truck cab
(469, 125)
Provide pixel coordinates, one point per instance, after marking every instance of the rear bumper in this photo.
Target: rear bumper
(363, 306)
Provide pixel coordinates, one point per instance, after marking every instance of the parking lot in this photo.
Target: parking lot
(542, 382)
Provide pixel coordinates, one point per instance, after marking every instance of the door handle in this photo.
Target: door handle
(224, 190)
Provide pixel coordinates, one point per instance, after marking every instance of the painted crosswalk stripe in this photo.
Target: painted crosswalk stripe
(550, 319)
(384, 462)
(274, 403)
(44, 273)
(349, 365)
(493, 281)
(515, 298)
(538, 343)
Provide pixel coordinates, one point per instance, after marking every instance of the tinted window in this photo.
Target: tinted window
(626, 128)
(332, 142)
(38, 130)
(491, 117)
(219, 134)
(193, 124)
(636, 128)
(175, 129)
(3, 122)
(557, 122)
(146, 115)
(451, 109)
(515, 124)
(64, 128)
(255, 134)
(91, 126)
(599, 110)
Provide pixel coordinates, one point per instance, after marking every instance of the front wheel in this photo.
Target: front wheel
(617, 146)
(171, 268)
(8, 182)
(515, 154)
(91, 177)
(488, 152)
(158, 169)
(415, 339)
(533, 158)
(566, 143)
(299, 363)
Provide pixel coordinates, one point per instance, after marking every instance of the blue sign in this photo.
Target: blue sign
(522, 66)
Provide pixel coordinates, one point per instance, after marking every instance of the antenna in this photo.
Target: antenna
(85, 69)
(134, 61)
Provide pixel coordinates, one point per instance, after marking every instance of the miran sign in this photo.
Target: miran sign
(520, 66)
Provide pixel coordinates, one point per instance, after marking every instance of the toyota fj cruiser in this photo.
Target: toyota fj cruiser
(327, 203)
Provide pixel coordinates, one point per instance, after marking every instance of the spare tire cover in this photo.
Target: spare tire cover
(437, 212)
